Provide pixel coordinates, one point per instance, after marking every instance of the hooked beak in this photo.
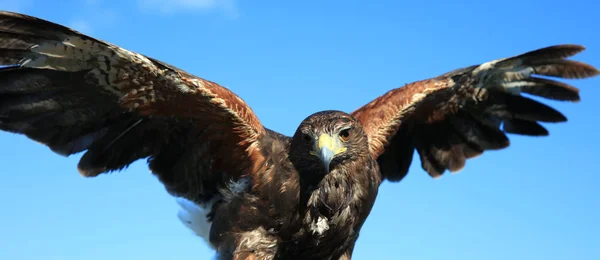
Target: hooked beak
(327, 148)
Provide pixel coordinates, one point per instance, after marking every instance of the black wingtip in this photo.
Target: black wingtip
(559, 51)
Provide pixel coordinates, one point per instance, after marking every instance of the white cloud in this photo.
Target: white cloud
(172, 6)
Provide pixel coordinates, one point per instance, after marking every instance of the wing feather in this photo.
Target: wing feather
(74, 93)
(462, 113)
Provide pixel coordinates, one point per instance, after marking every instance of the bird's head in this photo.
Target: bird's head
(327, 139)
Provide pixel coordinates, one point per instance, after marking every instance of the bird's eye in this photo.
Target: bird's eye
(345, 135)
(307, 138)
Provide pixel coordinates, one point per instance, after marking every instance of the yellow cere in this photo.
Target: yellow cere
(326, 141)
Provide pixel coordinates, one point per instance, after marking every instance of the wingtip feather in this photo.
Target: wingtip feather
(90, 172)
(559, 51)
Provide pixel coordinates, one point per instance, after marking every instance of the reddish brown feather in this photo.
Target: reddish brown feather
(229, 120)
(382, 117)
(163, 110)
(458, 115)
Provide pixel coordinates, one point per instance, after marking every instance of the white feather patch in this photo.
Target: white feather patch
(320, 226)
(194, 217)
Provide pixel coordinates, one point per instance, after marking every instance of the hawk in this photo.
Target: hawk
(250, 191)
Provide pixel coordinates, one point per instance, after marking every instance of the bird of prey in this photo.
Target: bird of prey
(251, 192)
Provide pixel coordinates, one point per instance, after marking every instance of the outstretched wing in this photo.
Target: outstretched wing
(461, 114)
(74, 93)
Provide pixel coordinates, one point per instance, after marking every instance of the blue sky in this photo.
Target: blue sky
(538, 199)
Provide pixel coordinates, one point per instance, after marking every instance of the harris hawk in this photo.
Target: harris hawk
(249, 191)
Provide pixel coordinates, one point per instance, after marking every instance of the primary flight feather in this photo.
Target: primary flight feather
(251, 192)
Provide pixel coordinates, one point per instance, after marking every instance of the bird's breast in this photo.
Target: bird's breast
(337, 204)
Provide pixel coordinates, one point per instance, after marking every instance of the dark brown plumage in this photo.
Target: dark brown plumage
(265, 195)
